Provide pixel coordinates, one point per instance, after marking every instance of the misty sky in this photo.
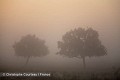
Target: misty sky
(49, 20)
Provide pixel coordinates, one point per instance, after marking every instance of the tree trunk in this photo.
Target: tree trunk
(27, 60)
(84, 64)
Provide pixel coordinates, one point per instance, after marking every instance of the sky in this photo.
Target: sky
(50, 20)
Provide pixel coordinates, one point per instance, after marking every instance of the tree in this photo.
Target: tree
(81, 43)
(30, 46)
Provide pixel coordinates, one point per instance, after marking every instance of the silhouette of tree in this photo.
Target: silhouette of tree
(30, 46)
(81, 43)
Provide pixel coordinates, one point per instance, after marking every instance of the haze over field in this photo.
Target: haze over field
(50, 20)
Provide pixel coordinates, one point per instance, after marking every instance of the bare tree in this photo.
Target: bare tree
(81, 43)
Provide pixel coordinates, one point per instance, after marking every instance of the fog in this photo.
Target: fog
(50, 20)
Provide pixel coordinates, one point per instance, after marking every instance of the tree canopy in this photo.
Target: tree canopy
(81, 43)
(30, 45)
